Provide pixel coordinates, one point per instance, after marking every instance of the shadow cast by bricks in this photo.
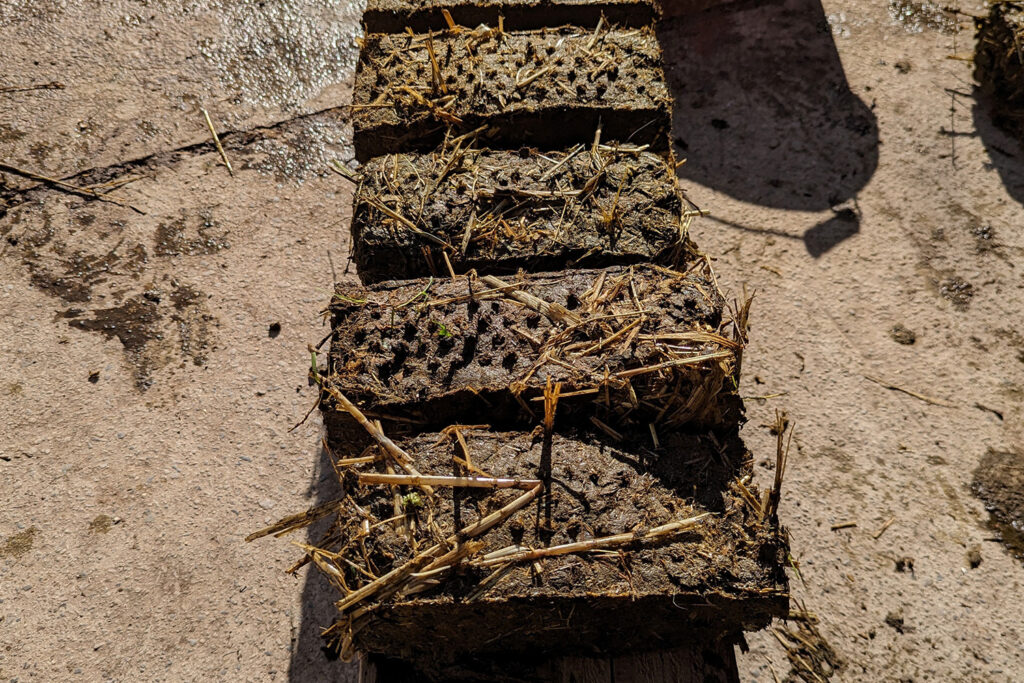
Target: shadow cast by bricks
(311, 661)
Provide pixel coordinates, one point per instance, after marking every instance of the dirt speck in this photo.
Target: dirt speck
(101, 524)
(895, 620)
(14, 389)
(274, 330)
(957, 291)
(19, 544)
(974, 557)
(905, 565)
(902, 335)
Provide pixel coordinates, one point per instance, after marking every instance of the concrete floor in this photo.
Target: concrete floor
(853, 181)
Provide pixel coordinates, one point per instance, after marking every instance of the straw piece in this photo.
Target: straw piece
(216, 141)
(663, 531)
(438, 480)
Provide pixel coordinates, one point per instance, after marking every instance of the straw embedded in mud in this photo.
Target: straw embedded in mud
(629, 539)
(497, 211)
(633, 347)
(544, 88)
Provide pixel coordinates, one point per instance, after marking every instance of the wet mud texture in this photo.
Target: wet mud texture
(720, 577)
(546, 88)
(999, 482)
(394, 16)
(110, 280)
(499, 211)
(432, 353)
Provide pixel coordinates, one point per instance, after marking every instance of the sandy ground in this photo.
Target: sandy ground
(853, 181)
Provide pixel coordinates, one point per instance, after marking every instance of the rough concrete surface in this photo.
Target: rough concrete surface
(853, 181)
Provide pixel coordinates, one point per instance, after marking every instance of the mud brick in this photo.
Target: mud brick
(632, 346)
(394, 16)
(550, 89)
(497, 211)
(720, 574)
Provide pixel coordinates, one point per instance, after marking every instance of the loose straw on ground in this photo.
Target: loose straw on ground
(216, 141)
(908, 392)
(68, 187)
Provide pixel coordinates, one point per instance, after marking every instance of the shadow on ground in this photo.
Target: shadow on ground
(1006, 153)
(763, 111)
(311, 661)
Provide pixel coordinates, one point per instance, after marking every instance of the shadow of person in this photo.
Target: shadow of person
(311, 661)
(763, 111)
(1005, 151)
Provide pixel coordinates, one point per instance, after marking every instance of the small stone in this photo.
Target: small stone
(266, 504)
(974, 557)
(895, 620)
(902, 335)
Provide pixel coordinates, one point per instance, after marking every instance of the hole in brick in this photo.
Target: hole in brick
(401, 353)
(572, 302)
(469, 349)
(509, 361)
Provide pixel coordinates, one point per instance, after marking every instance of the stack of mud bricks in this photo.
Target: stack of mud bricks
(532, 310)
